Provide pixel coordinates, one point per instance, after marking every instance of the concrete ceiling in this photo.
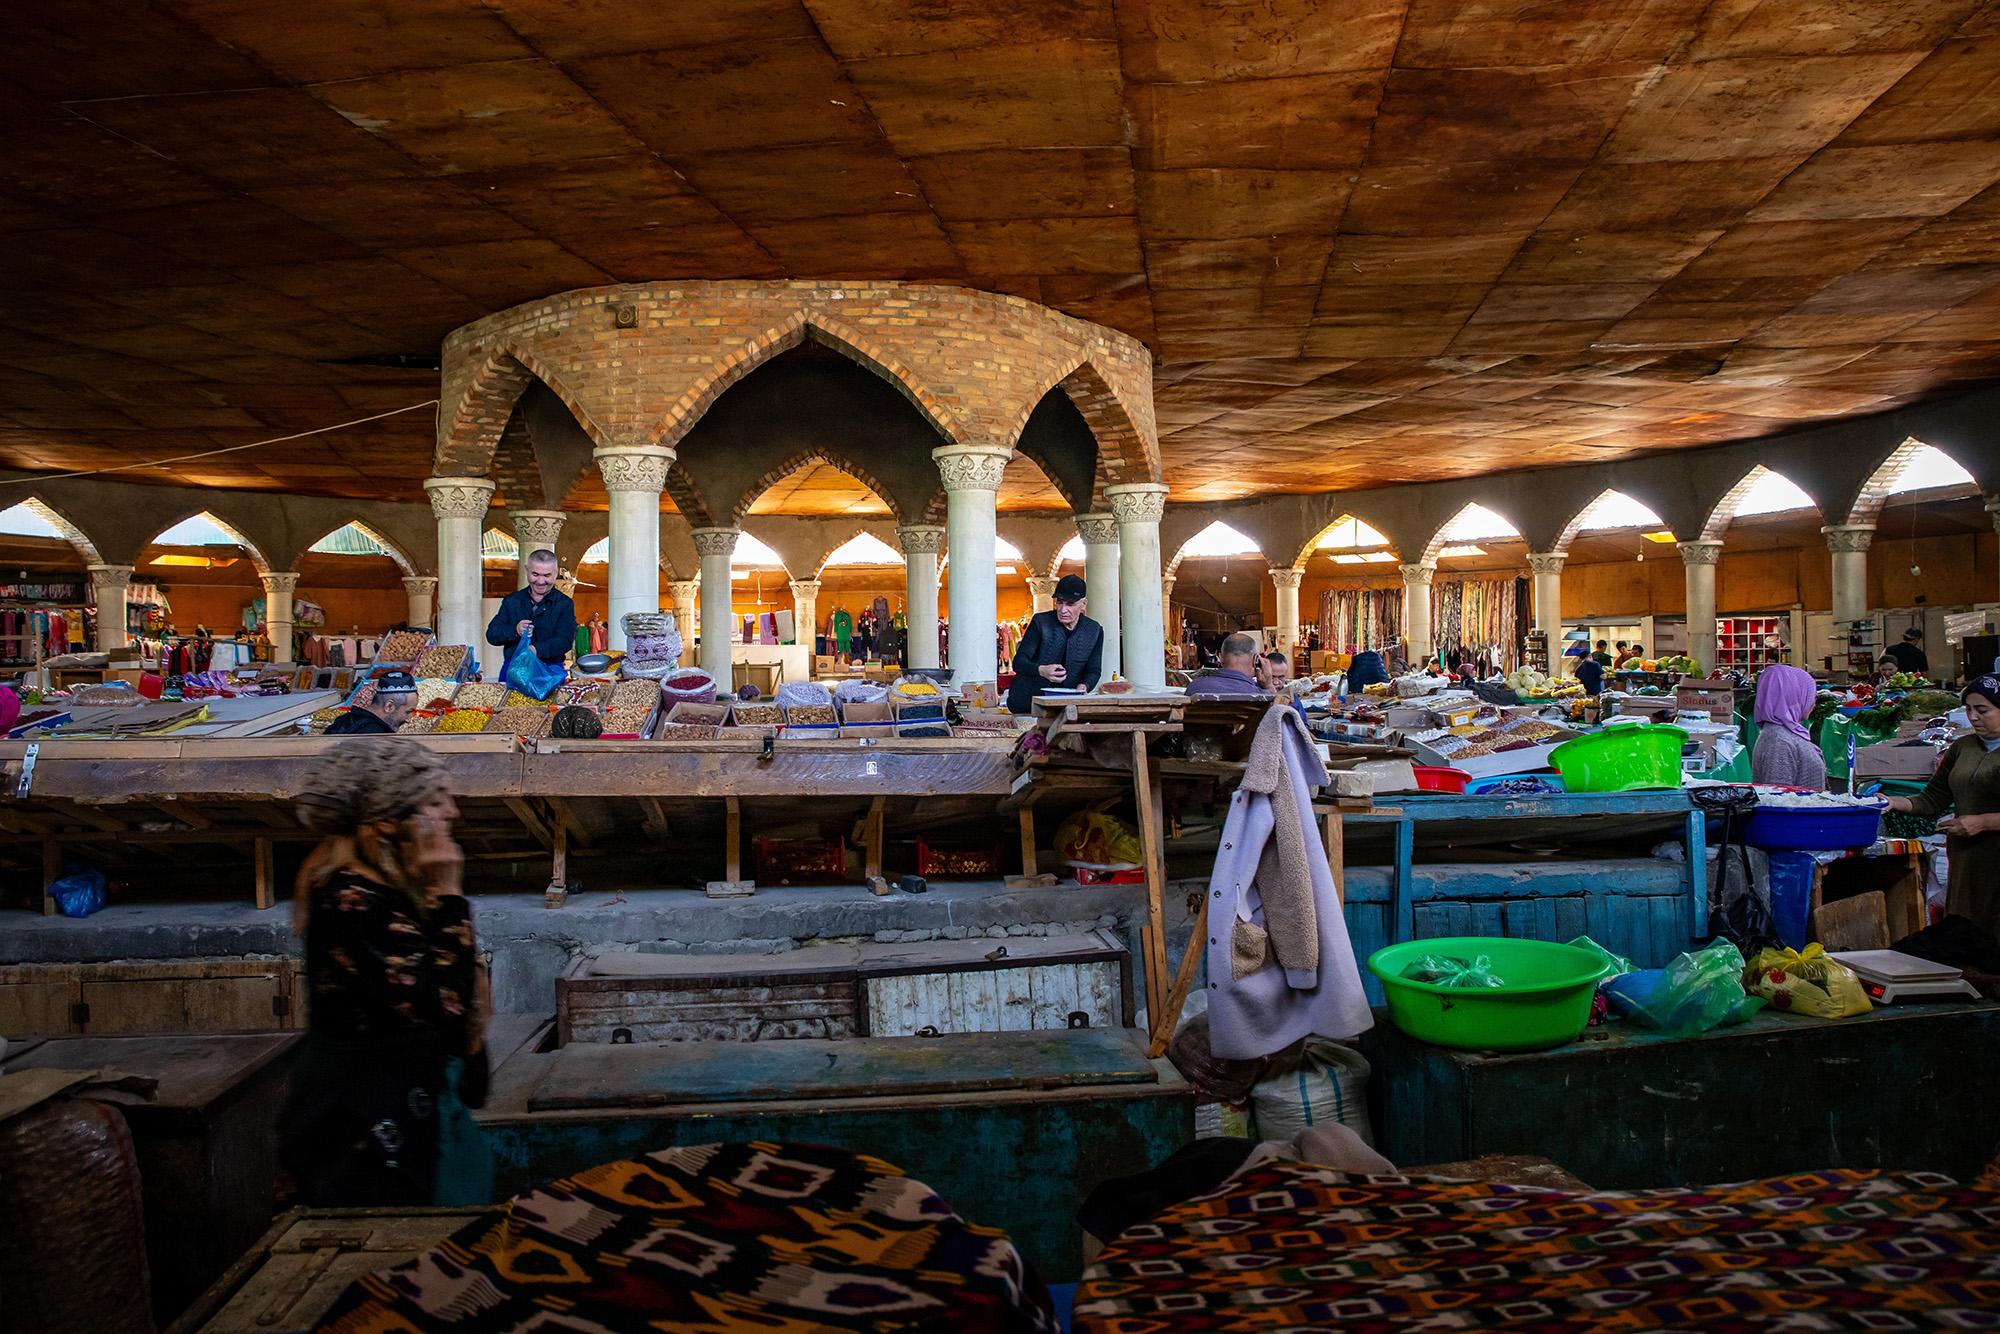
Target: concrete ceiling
(1368, 241)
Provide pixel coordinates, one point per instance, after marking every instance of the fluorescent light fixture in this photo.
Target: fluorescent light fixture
(1659, 537)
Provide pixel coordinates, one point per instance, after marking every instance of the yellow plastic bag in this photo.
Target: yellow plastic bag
(1099, 841)
(1805, 982)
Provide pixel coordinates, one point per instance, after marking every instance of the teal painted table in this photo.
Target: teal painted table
(1901, 1087)
(1013, 1128)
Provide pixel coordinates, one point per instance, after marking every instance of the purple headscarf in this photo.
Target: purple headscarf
(1785, 696)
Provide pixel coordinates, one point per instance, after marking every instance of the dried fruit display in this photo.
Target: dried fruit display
(759, 715)
(522, 721)
(807, 714)
(464, 720)
(626, 719)
(401, 646)
(436, 687)
(418, 723)
(441, 660)
(686, 732)
(481, 695)
(635, 693)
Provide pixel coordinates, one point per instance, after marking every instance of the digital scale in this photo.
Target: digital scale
(1890, 976)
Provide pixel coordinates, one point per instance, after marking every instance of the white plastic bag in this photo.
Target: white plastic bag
(1321, 1081)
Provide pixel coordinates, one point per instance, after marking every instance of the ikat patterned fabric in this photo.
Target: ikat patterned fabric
(712, 1239)
(1289, 1246)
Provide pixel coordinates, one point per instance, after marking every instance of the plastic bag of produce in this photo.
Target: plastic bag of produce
(527, 673)
(1314, 1084)
(80, 891)
(804, 694)
(1806, 982)
(1445, 970)
(860, 692)
(1694, 993)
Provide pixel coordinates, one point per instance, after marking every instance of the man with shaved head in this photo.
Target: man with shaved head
(540, 612)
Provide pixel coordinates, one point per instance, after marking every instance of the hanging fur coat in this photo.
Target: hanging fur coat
(1280, 965)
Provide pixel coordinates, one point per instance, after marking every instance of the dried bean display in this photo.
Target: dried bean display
(464, 720)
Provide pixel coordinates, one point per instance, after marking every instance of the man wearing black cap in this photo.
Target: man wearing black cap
(1061, 648)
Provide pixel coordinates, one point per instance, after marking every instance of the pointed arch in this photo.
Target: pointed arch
(229, 530)
(469, 435)
(1733, 500)
(860, 531)
(1471, 510)
(1363, 530)
(1069, 553)
(71, 531)
(1216, 539)
(1883, 482)
(806, 458)
(1123, 452)
(782, 337)
(1586, 515)
(390, 547)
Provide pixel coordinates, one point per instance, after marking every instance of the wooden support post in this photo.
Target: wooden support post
(51, 872)
(265, 871)
(557, 894)
(655, 823)
(1146, 793)
(1028, 867)
(871, 848)
(1169, 1016)
(524, 811)
(1336, 851)
(732, 885)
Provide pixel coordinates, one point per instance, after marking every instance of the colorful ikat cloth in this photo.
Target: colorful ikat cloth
(1290, 1246)
(712, 1239)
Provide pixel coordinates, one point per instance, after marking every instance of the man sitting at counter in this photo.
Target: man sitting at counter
(541, 611)
(1062, 647)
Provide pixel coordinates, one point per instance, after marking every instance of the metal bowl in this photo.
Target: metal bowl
(594, 664)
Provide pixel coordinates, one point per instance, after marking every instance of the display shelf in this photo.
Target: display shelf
(1742, 642)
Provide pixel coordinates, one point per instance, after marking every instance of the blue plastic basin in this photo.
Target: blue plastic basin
(1803, 829)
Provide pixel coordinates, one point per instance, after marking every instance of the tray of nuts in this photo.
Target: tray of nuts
(323, 719)
(686, 732)
(809, 715)
(627, 719)
(435, 687)
(401, 646)
(418, 723)
(481, 695)
(638, 691)
(441, 660)
(758, 715)
(520, 720)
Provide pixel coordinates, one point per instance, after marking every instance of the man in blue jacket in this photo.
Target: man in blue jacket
(539, 611)
(1061, 648)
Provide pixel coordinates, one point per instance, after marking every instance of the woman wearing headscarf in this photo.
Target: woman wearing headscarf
(1967, 783)
(1785, 755)
(394, 1048)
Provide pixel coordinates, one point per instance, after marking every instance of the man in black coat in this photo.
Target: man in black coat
(541, 611)
(1061, 648)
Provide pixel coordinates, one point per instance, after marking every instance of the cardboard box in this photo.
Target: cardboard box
(1715, 698)
(1896, 759)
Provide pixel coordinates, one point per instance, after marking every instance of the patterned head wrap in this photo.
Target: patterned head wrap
(360, 782)
(1986, 687)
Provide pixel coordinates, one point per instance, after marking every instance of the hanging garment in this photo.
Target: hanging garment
(767, 627)
(843, 630)
(600, 636)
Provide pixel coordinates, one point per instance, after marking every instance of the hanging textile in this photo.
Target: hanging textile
(1477, 616)
(1354, 619)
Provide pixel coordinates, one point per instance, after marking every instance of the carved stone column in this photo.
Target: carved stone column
(1138, 507)
(1286, 580)
(280, 586)
(111, 583)
(1547, 569)
(921, 544)
(422, 593)
(1043, 593)
(634, 475)
(718, 616)
(534, 530)
(1848, 543)
(805, 611)
(1417, 611)
(1100, 578)
(1699, 559)
(460, 506)
(972, 487)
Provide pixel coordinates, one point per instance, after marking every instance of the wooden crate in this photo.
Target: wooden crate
(1018, 984)
(307, 1259)
(153, 996)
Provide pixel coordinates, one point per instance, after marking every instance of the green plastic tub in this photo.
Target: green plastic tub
(1545, 1002)
(1633, 758)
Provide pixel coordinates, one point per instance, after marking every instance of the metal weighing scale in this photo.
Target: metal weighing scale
(1890, 976)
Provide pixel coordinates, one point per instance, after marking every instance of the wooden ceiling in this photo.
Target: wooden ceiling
(1369, 241)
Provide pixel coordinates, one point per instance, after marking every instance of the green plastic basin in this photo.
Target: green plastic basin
(1633, 758)
(1545, 1002)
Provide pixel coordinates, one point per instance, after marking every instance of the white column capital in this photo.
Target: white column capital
(716, 541)
(1167, 582)
(420, 585)
(279, 583)
(1137, 502)
(1286, 576)
(971, 467)
(1546, 562)
(537, 529)
(1097, 530)
(921, 539)
(110, 576)
(805, 589)
(684, 592)
(1043, 591)
(1699, 552)
(634, 467)
(1848, 536)
(459, 497)
(1420, 572)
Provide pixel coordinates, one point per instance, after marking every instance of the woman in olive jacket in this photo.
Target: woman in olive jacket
(1967, 783)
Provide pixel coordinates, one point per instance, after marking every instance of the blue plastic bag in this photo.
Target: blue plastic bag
(80, 892)
(527, 673)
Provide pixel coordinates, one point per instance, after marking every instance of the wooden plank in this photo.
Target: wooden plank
(51, 872)
(1146, 793)
(1859, 922)
(1170, 1013)
(603, 1076)
(1029, 862)
(871, 848)
(732, 839)
(558, 891)
(265, 872)
(524, 811)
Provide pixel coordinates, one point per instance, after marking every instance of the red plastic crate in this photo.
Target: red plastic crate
(800, 858)
(933, 861)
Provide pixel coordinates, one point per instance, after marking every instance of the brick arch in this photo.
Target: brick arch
(1437, 540)
(842, 536)
(687, 498)
(1123, 452)
(1560, 546)
(1180, 552)
(1874, 492)
(376, 535)
(469, 436)
(781, 338)
(1724, 513)
(72, 531)
(1078, 504)
(806, 458)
